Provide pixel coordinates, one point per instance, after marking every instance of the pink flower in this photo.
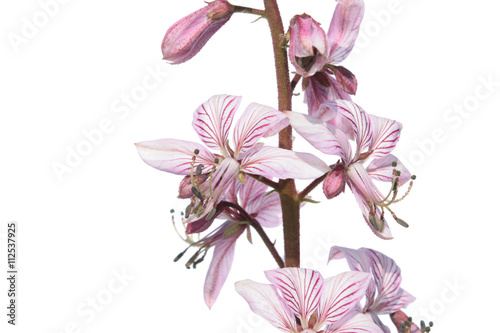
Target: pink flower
(187, 36)
(316, 55)
(252, 198)
(212, 122)
(299, 300)
(384, 294)
(375, 138)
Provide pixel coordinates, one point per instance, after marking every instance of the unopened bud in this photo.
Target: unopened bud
(187, 36)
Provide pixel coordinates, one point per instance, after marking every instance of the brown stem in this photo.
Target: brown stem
(265, 180)
(294, 82)
(248, 10)
(256, 225)
(290, 204)
(312, 186)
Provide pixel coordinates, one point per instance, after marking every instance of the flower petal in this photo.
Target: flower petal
(357, 261)
(360, 122)
(341, 294)
(365, 206)
(321, 135)
(174, 156)
(382, 169)
(387, 276)
(359, 323)
(308, 45)
(344, 28)
(221, 264)
(213, 119)
(255, 123)
(301, 288)
(265, 208)
(321, 88)
(281, 163)
(264, 300)
(386, 134)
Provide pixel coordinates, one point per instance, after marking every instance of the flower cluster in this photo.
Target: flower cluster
(233, 177)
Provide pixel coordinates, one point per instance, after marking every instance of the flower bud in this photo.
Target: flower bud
(187, 36)
(334, 183)
(308, 45)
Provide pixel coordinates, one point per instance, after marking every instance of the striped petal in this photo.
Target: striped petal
(281, 163)
(382, 169)
(265, 208)
(264, 300)
(341, 294)
(174, 156)
(344, 28)
(360, 123)
(301, 288)
(386, 134)
(220, 264)
(213, 119)
(357, 261)
(359, 323)
(255, 123)
(321, 135)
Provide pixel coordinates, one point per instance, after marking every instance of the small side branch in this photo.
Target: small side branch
(256, 225)
(312, 186)
(248, 10)
(264, 180)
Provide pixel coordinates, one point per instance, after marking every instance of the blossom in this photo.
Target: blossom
(375, 138)
(384, 294)
(264, 208)
(300, 300)
(212, 122)
(316, 55)
(187, 36)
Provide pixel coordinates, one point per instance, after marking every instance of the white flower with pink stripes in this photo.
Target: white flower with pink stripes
(212, 121)
(329, 131)
(299, 300)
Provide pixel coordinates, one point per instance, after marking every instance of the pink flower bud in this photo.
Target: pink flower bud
(308, 45)
(187, 36)
(334, 183)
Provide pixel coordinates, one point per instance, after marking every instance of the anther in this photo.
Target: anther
(413, 177)
(188, 210)
(216, 161)
(199, 169)
(179, 255)
(211, 214)
(401, 222)
(196, 151)
(394, 164)
(172, 211)
(197, 193)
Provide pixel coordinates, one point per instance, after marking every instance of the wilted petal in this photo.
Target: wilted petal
(301, 288)
(255, 123)
(308, 45)
(346, 80)
(358, 323)
(221, 264)
(382, 169)
(321, 88)
(213, 119)
(174, 156)
(321, 135)
(341, 294)
(360, 122)
(281, 163)
(386, 134)
(264, 300)
(344, 28)
(334, 183)
(187, 36)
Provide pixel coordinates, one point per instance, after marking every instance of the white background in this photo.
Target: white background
(416, 61)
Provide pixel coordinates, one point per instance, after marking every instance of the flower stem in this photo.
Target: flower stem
(290, 203)
(312, 186)
(256, 225)
(247, 10)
